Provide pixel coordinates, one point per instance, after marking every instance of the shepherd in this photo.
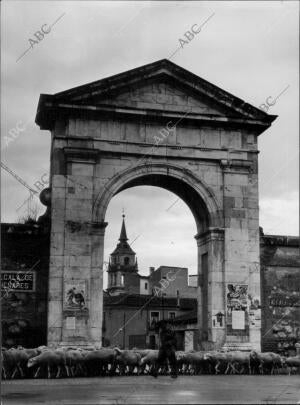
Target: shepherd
(167, 349)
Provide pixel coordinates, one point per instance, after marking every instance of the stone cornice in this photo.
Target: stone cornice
(228, 164)
(79, 139)
(138, 149)
(210, 235)
(81, 155)
(280, 240)
(93, 228)
(56, 109)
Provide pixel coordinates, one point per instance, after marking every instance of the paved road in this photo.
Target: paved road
(206, 389)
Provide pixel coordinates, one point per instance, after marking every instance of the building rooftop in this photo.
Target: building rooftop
(123, 246)
(146, 301)
(190, 317)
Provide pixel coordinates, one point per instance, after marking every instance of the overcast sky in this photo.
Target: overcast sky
(247, 48)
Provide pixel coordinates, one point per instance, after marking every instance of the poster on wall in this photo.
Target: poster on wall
(254, 311)
(236, 297)
(237, 307)
(188, 340)
(255, 317)
(218, 319)
(238, 320)
(75, 296)
(70, 322)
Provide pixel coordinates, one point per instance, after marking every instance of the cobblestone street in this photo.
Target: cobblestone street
(147, 390)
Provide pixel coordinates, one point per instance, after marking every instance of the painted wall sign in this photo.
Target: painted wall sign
(18, 281)
(75, 294)
(281, 310)
(284, 301)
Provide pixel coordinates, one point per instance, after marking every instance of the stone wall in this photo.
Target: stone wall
(280, 282)
(24, 284)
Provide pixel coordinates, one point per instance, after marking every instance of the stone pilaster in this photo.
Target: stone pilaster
(211, 300)
(76, 279)
(241, 254)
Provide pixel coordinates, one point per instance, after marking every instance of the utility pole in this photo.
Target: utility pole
(163, 305)
(124, 323)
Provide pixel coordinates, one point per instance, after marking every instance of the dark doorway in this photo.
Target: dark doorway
(180, 340)
(152, 342)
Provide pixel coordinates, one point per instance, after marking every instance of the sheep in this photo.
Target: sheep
(216, 359)
(8, 362)
(75, 359)
(238, 358)
(127, 358)
(149, 359)
(98, 361)
(266, 360)
(23, 356)
(292, 363)
(15, 360)
(72, 361)
(49, 358)
(196, 363)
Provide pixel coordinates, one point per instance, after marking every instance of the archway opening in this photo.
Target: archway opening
(164, 217)
(180, 188)
(160, 229)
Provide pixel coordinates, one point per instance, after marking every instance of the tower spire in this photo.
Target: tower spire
(123, 234)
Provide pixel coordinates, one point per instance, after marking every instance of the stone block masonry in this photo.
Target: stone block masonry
(209, 159)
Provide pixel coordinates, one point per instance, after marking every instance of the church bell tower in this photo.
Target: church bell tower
(122, 263)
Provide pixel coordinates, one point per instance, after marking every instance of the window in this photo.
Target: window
(146, 286)
(126, 261)
(122, 279)
(172, 315)
(137, 341)
(154, 317)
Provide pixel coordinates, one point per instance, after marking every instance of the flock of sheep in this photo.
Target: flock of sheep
(44, 362)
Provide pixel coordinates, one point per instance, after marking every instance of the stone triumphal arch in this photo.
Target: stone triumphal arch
(163, 126)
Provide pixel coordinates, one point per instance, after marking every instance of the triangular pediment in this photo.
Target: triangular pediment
(161, 86)
(159, 95)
